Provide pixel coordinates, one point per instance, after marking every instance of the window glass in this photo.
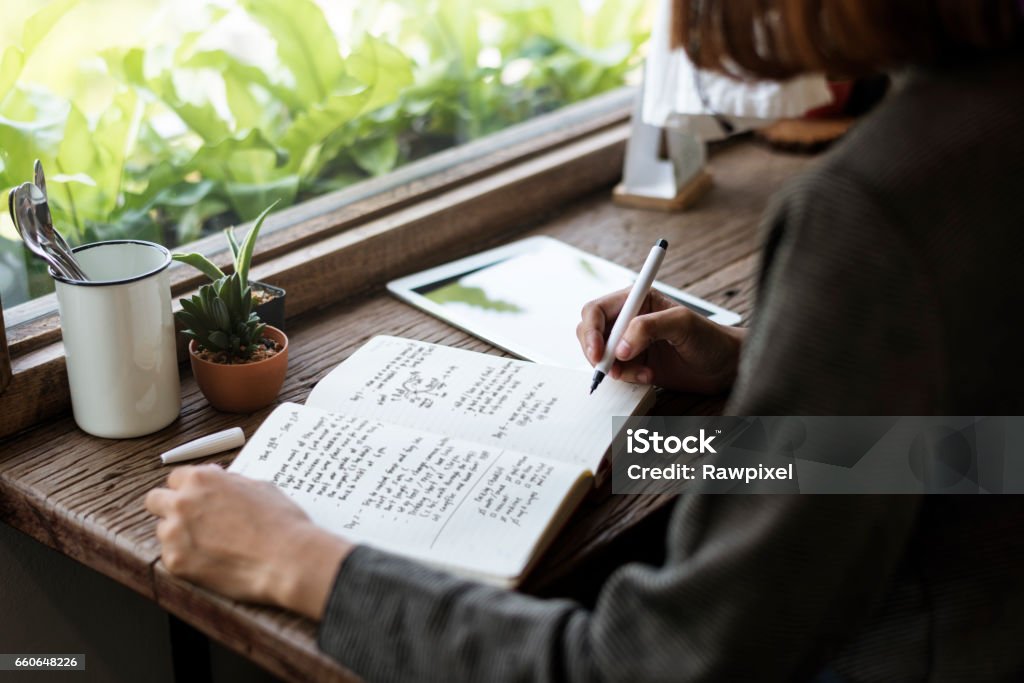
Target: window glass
(166, 120)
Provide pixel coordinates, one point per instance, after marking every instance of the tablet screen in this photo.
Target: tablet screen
(531, 301)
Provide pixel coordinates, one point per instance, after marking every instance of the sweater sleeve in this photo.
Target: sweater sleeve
(755, 586)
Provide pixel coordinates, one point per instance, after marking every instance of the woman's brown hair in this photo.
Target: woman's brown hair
(782, 38)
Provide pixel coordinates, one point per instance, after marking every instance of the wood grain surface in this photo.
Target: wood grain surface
(5, 355)
(83, 495)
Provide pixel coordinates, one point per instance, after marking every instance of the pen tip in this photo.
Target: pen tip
(598, 376)
(663, 244)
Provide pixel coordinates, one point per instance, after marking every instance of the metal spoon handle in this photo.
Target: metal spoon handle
(44, 207)
(64, 257)
(39, 176)
(40, 181)
(25, 219)
(67, 256)
(72, 270)
(43, 222)
(10, 208)
(55, 264)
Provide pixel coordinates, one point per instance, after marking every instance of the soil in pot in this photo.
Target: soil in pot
(267, 348)
(262, 296)
(269, 303)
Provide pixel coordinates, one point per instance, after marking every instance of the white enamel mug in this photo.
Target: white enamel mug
(119, 339)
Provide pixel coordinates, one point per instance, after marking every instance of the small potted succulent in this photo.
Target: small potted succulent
(238, 360)
(269, 300)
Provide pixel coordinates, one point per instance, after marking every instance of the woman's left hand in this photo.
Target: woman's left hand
(245, 539)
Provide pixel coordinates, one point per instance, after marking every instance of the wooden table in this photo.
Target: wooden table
(83, 495)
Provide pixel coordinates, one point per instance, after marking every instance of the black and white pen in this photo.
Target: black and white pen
(630, 308)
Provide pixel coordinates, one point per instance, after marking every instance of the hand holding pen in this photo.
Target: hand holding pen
(663, 343)
(630, 307)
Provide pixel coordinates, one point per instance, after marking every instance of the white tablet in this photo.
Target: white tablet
(526, 297)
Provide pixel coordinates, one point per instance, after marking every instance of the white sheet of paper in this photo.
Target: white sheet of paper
(444, 501)
(494, 401)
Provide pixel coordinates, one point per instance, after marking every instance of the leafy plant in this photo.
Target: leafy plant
(196, 136)
(220, 318)
(240, 254)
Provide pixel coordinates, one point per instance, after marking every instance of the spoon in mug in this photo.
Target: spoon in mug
(16, 202)
(43, 212)
(26, 223)
(10, 208)
(48, 237)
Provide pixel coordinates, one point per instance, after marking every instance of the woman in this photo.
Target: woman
(890, 284)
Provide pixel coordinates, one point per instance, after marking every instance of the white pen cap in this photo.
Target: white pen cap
(207, 445)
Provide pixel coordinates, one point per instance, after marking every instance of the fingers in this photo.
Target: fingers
(159, 502)
(162, 501)
(186, 474)
(633, 371)
(656, 301)
(610, 304)
(589, 331)
(596, 319)
(671, 325)
(175, 547)
(179, 476)
(598, 315)
(591, 341)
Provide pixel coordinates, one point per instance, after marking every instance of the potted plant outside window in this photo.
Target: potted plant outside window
(269, 300)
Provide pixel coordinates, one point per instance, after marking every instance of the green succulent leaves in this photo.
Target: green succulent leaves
(241, 254)
(220, 318)
(200, 263)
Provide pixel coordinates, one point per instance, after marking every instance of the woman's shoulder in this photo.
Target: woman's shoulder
(936, 168)
(944, 135)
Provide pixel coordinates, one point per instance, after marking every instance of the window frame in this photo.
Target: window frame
(447, 205)
(35, 323)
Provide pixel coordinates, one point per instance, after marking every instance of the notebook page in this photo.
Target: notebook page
(486, 399)
(440, 500)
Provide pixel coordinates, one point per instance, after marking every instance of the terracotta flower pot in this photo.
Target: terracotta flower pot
(242, 388)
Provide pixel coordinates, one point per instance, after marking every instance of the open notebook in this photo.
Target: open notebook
(461, 460)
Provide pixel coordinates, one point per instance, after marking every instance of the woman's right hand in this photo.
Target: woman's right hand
(667, 344)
